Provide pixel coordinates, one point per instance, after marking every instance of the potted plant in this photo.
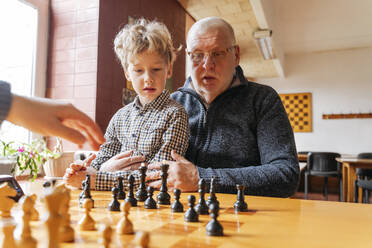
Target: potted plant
(17, 158)
(55, 168)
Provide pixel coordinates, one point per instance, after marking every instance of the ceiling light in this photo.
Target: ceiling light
(263, 41)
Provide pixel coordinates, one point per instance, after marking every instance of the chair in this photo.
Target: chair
(323, 164)
(366, 186)
(363, 174)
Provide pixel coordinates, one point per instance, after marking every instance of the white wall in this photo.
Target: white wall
(340, 82)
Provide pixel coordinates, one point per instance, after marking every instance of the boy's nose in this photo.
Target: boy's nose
(148, 78)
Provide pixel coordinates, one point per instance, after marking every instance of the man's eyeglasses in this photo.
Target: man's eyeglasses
(216, 56)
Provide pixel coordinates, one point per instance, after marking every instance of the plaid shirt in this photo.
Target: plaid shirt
(152, 130)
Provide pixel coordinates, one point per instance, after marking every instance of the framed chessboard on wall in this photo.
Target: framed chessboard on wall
(298, 108)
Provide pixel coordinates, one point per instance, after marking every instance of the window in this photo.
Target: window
(23, 49)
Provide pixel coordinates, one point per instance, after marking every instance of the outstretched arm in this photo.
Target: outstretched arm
(49, 118)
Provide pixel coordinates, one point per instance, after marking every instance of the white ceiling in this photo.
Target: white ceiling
(322, 25)
(299, 26)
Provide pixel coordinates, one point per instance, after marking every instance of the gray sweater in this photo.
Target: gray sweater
(244, 137)
(5, 100)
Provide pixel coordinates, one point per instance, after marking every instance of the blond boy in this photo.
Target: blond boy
(153, 125)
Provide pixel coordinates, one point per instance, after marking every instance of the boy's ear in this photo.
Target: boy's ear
(126, 75)
(170, 71)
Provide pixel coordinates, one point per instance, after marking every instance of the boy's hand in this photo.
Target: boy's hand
(122, 161)
(78, 166)
(182, 174)
(75, 179)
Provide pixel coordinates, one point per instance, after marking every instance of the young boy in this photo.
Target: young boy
(153, 124)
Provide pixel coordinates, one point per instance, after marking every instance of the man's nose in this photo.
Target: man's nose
(208, 62)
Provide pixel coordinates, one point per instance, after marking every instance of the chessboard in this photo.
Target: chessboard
(269, 222)
(166, 229)
(298, 108)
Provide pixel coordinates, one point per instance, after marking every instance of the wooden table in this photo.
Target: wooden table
(349, 165)
(270, 222)
(302, 157)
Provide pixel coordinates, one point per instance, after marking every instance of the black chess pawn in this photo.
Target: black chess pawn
(141, 193)
(121, 194)
(240, 205)
(202, 207)
(81, 195)
(177, 206)
(47, 184)
(212, 193)
(86, 192)
(114, 204)
(163, 197)
(214, 228)
(87, 187)
(130, 198)
(150, 203)
(191, 215)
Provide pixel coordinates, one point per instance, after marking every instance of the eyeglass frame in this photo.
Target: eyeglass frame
(210, 54)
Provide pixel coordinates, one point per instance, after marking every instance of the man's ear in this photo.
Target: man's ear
(237, 55)
(170, 71)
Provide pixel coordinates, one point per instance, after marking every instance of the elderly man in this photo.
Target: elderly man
(240, 133)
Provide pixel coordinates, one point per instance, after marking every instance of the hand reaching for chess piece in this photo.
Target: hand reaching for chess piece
(182, 174)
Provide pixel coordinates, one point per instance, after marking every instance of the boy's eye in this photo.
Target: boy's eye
(157, 69)
(138, 70)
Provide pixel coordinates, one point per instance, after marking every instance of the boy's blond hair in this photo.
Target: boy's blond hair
(142, 36)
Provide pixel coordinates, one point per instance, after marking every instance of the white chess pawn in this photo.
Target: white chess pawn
(26, 240)
(125, 226)
(87, 223)
(142, 240)
(7, 230)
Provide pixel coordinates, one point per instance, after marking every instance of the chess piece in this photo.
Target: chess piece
(130, 197)
(87, 223)
(121, 194)
(240, 205)
(214, 228)
(7, 228)
(35, 213)
(150, 203)
(6, 202)
(66, 232)
(125, 226)
(191, 215)
(163, 197)
(106, 235)
(212, 194)
(26, 240)
(86, 191)
(81, 195)
(177, 206)
(114, 205)
(142, 239)
(49, 183)
(201, 207)
(53, 199)
(141, 193)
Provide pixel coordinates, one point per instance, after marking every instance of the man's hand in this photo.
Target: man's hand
(182, 174)
(122, 161)
(51, 118)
